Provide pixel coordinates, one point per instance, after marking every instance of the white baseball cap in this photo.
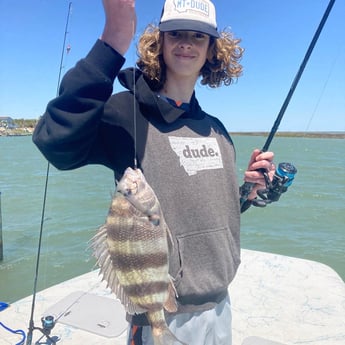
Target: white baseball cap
(189, 15)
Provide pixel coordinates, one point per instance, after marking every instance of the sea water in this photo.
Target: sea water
(307, 222)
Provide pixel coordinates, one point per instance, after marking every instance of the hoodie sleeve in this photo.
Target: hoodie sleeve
(69, 130)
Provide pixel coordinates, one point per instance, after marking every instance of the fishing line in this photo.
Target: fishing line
(134, 104)
(247, 187)
(322, 91)
(31, 322)
(134, 120)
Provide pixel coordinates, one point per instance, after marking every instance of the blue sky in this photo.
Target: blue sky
(274, 33)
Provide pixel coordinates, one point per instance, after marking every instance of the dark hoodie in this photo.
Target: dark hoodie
(186, 156)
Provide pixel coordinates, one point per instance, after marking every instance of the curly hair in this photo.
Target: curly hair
(222, 66)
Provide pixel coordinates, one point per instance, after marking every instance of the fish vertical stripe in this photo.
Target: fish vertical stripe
(127, 262)
(148, 288)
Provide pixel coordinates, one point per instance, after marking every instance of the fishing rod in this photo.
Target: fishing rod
(47, 321)
(285, 173)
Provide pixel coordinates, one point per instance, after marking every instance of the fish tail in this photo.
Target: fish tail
(166, 337)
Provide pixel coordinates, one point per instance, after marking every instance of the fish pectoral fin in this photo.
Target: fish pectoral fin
(170, 304)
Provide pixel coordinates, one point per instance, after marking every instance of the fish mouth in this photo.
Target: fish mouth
(128, 187)
(125, 191)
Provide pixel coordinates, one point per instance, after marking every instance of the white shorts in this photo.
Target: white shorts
(211, 327)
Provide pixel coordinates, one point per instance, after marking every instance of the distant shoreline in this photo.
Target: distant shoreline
(328, 135)
(17, 132)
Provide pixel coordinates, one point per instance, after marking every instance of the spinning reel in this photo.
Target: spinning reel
(282, 179)
(48, 323)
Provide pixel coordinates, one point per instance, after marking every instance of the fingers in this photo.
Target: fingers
(261, 160)
(254, 177)
(252, 159)
(120, 24)
(258, 162)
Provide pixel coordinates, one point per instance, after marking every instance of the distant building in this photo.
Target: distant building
(7, 122)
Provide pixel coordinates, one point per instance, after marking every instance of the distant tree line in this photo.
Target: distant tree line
(25, 123)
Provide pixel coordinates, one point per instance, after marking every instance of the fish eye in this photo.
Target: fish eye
(154, 219)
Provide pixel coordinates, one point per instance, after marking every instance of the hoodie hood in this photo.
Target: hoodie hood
(133, 80)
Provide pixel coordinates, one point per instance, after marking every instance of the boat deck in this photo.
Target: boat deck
(275, 300)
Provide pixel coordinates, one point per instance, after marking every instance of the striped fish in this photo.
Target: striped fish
(132, 251)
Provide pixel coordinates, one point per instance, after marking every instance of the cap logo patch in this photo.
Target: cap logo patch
(200, 7)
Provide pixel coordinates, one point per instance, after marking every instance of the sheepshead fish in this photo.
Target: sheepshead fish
(132, 251)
